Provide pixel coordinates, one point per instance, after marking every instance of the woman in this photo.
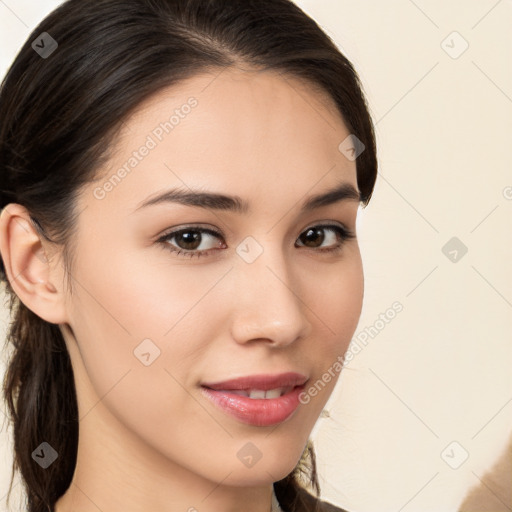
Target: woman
(180, 182)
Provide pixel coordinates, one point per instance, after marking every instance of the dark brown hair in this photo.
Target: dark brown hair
(58, 119)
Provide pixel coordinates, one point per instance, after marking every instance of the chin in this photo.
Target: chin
(259, 475)
(275, 463)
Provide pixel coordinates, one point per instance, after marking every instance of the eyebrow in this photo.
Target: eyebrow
(216, 201)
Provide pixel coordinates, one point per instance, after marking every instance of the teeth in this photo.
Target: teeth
(259, 394)
(274, 393)
(271, 393)
(240, 392)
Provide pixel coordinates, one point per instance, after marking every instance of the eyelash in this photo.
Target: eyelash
(344, 234)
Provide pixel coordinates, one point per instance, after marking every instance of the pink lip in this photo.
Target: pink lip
(258, 412)
(263, 382)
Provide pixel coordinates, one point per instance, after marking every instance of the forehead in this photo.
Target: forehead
(235, 86)
(247, 132)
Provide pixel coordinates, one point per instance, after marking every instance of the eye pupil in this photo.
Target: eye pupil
(187, 239)
(314, 233)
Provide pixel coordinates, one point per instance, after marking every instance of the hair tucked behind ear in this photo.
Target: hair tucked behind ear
(59, 117)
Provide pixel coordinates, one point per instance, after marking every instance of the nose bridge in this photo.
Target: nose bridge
(268, 302)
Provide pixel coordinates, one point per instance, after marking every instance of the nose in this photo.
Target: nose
(268, 302)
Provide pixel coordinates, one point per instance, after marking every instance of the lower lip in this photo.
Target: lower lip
(259, 412)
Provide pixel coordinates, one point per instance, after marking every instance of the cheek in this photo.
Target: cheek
(140, 296)
(336, 307)
(338, 301)
(123, 311)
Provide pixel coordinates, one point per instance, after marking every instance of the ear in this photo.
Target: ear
(25, 255)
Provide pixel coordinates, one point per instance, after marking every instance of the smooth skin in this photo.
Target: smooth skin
(149, 439)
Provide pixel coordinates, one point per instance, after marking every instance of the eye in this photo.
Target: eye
(316, 233)
(187, 241)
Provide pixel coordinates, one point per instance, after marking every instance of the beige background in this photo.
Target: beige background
(440, 371)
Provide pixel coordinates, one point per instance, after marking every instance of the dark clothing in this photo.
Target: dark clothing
(303, 501)
(313, 504)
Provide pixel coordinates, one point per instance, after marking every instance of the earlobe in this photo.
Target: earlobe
(27, 266)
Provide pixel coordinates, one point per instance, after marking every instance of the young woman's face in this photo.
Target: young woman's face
(253, 292)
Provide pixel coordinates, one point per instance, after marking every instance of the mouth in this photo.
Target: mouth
(259, 400)
(261, 382)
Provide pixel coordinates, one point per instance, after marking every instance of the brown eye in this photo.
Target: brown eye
(188, 240)
(315, 236)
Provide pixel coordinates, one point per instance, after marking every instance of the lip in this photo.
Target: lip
(262, 381)
(257, 412)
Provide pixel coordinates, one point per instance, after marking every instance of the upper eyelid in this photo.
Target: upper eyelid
(202, 229)
(217, 231)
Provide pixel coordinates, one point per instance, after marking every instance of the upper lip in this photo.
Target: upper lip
(261, 382)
